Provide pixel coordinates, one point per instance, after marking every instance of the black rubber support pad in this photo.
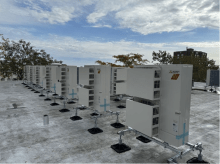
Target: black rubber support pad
(120, 148)
(32, 90)
(117, 125)
(61, 98)
(47, 99)
(64, 110)
(26, 86)
(29, 88)
(94, 114)
(75, 118)
(37, 92)
(143, 139)
(116, 100)
(95, 130)
(41, 95)
(195, 160)
(71, 102)
(55, 94)
(54, 104)
(121, 106)
(82, 108)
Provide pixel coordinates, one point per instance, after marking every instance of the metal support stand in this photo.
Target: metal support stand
(198, 159)
(95, 129)
(71, 101)
(54, 103)
(75, 118)
(27, 85)
(82, 107)
(121, 106)
(121, 147)
(62, 98)
(47, 99)
(42, 95)
(37, 88)
(205, 89)
(55, 94)
(23, 82)
(116, 99)
(215, 90)
(64, 107)
(32, 87)
(95, 113)
(117, 124)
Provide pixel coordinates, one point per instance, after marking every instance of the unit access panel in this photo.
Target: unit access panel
(141, 82)
(121, 81)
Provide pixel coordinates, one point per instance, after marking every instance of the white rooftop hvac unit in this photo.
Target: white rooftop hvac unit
(28, 72)
(51, 78)
(40, 75)
(161, 104)
(96, 90)
(32, 74)
(118, 80)
(66, 84)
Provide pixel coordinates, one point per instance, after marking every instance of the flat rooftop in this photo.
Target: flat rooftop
(24, 138)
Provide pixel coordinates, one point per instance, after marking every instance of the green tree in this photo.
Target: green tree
(128, 60)
(15, 55)
(162, 56)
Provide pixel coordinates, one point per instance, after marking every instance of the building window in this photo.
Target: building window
(156, 84)
(156, 121)
(155, 111)
(157, 74)
(156, 94)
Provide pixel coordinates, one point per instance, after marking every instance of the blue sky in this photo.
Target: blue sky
(79, 32)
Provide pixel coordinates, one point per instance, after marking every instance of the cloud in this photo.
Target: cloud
(149, 16)
(199, 44)
(144, 17)
(82, 52)
(40, 11)
(103, 8)
(100, 26)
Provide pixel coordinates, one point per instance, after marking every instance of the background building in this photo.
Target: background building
(188, 52)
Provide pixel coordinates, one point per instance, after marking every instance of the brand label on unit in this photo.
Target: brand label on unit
(174, 71)
(175, 76)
